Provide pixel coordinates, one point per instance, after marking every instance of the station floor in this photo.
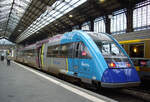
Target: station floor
(19, 83)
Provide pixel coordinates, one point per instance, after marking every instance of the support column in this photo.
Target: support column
(80, 26)
(92, 25)
(147, 49)
(107, 24)
(129, 15)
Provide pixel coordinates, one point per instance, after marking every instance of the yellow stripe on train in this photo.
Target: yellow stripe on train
(137, 68)
(67, 64)
(132, 41)
(42, 56)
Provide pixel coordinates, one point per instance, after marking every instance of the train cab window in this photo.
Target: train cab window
(108, 48)
(137, 50)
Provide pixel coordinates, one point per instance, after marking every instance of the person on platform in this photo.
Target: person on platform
(2, 57)
(8, 58)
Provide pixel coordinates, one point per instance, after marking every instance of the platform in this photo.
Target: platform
(23, 84)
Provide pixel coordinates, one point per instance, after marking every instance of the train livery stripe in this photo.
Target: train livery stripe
(137, 68)
(129, 41)
(42, 55)
(67, 64)
(132, 41)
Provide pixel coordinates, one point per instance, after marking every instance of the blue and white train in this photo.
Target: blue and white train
(94, 58)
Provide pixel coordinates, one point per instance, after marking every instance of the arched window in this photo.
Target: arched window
(118, 22)
(99, 25)
(86, 26)
(141, 16)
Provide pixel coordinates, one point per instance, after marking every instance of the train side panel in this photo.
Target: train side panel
(95, 63)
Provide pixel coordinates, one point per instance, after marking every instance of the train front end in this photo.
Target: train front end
(120, 71)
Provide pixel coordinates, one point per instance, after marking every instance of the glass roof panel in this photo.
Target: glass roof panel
(5, 42)
(4, 16)
(21, 3)
(3, 8)
(4, 19)
(17, 11)
(6, 2)
(5, 13)
(58, 9)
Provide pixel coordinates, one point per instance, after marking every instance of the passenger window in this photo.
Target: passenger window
(66, 50)
(77, 50)
(84, 52)
(49, 51)
(53, 51)
(137, 50)
(60, 51)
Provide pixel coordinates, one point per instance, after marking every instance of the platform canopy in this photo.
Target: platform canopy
(5, 42)
(24, 20)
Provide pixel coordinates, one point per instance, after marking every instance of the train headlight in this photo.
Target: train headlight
(112, 65)
(128, 64)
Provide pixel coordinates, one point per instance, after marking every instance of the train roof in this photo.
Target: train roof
(57, 38)
(145, 34)
(32, 46)
(99, 36)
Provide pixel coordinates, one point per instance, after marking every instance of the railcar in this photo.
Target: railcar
(94, 58)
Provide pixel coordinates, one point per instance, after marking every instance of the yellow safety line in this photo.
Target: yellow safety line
(67, 63)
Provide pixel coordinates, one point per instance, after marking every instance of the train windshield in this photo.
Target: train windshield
(113, 55)
(109, 48)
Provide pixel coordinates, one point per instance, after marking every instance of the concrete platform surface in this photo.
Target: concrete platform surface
(19, 83)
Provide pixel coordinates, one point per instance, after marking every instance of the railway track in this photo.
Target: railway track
(134, 94)
(143, 92)
(125, 95)
(138, 93)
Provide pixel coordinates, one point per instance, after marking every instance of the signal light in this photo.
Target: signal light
(112, 65)
(84, 53)
(128, 64)
(143, 63)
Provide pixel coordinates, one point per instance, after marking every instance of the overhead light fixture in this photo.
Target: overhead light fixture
(102, 1)
(110, 16)
(135, 50)
(70, 16)
(19, 30)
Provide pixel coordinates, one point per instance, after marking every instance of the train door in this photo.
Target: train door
(85, 61)
(41, 56)
(82, 60)
(76, 58)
